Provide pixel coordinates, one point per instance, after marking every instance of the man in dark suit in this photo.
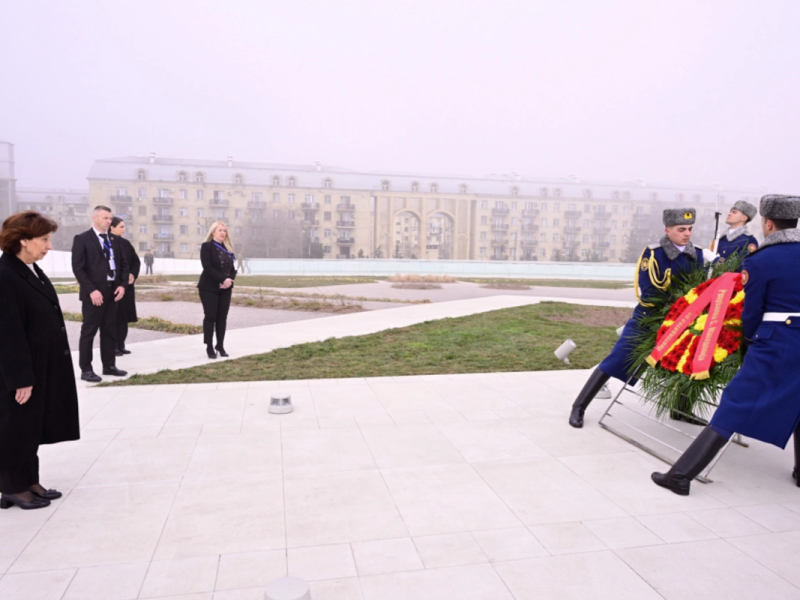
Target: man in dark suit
(101, 268)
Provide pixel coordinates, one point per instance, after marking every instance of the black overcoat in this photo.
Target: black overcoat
(128, 302)
(34, 350)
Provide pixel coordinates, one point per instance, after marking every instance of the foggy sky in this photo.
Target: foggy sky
(680, 91)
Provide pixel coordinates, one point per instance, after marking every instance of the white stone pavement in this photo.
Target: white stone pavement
(468, 486)
(410, 488)
(189, 351)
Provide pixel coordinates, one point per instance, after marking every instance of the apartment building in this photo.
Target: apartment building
(170, 203)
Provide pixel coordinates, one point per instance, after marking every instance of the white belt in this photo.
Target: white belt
(775, 316)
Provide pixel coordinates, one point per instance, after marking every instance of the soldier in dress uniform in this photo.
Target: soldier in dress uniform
(737, 239)
(762, 401)
(657, 265)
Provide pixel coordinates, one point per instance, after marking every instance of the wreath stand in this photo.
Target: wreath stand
(666, 428)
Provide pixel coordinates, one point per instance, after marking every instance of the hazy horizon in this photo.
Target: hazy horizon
(680, 93)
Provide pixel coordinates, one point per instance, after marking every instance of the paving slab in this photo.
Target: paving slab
(197, 491)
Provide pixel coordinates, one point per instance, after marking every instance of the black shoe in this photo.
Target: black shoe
(596, 381)
(125, 351)
(691, 463)
(9, 500)
(211, 353)
(222, 352)
(114, 371)
(119, 353)
(48, 494)
(91, 377)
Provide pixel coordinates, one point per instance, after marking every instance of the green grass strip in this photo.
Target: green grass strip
(513, 339)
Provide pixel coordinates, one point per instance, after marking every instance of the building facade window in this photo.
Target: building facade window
(184, 247)
(435, 188)
(276, 197)
(182, 176)
(291, 199)
(184, 230)
(276, 180)
(515, 191)
(326, 216)
(384, 185)
(238, 179)
(141, 175)
(328, 199)
(183, 194)
(183, 211)
(414, 186)
(327, 183)
(142, 193)
(142, 228)
(292, 182)
(462, 189)
(199, 178)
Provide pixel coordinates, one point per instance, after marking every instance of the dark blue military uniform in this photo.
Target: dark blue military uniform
(619, 361)
(744, 244)
(762, 400)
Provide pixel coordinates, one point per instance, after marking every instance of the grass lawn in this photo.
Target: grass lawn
(283, 281)
(513, 339)
(576, 283)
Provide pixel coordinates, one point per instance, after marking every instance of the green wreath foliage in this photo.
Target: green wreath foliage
(671, 390)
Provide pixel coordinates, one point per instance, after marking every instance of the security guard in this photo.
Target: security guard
(657, 265)
(762, 401)
(737, 239)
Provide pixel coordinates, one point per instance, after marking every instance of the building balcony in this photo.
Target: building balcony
(121, 199)
(601, 216)
(310, 223)
(160, 200)
(219, 202)
(163, 237)
(162, 218)
(499, 243)
(529, 243)
(345, 207)
(345, 241)
(530, 228)
(500, 211)
(256, 204)
(600, 245)
(601, 230)
(158, 254)
(309, 206)
(343, 256)
(498, 257)
(571, 244)
(573, 214)
(530, 212)
(499, 227)
(349, 224)
(572, 230)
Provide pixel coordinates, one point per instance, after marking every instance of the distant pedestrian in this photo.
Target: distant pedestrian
(38, 398)
(126, 309)
(149, 259)
(216, 285)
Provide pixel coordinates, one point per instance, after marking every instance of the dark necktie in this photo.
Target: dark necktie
(107, 252)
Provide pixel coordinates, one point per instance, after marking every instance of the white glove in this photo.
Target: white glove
(709, 256)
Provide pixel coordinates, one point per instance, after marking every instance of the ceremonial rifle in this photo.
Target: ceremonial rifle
(713, 245)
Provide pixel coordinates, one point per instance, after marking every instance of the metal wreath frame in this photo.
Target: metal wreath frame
(704, 477)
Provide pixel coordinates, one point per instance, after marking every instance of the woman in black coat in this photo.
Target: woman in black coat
(126, 308)
(216, 285)
(38, 398)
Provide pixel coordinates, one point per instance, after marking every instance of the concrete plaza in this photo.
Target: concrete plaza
(428, 487)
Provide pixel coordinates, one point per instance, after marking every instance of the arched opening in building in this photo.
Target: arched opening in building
(406, 235)
(440, 234)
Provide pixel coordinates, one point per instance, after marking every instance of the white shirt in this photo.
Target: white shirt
(30, 266)
(111, 262)
(730, 231)
(681, 248)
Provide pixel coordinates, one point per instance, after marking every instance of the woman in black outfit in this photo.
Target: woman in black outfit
(38, 398)
(216, 285)
(126, 308)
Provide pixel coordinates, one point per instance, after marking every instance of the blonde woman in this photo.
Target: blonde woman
(216, 285)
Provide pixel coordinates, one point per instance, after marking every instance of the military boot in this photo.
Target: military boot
(692, 462)
(596, 381)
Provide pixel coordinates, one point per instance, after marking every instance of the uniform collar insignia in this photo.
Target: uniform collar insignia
(732, 235)
(785, 236)
(672, 251)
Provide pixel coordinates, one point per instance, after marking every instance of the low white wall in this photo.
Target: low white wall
(58, 264)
